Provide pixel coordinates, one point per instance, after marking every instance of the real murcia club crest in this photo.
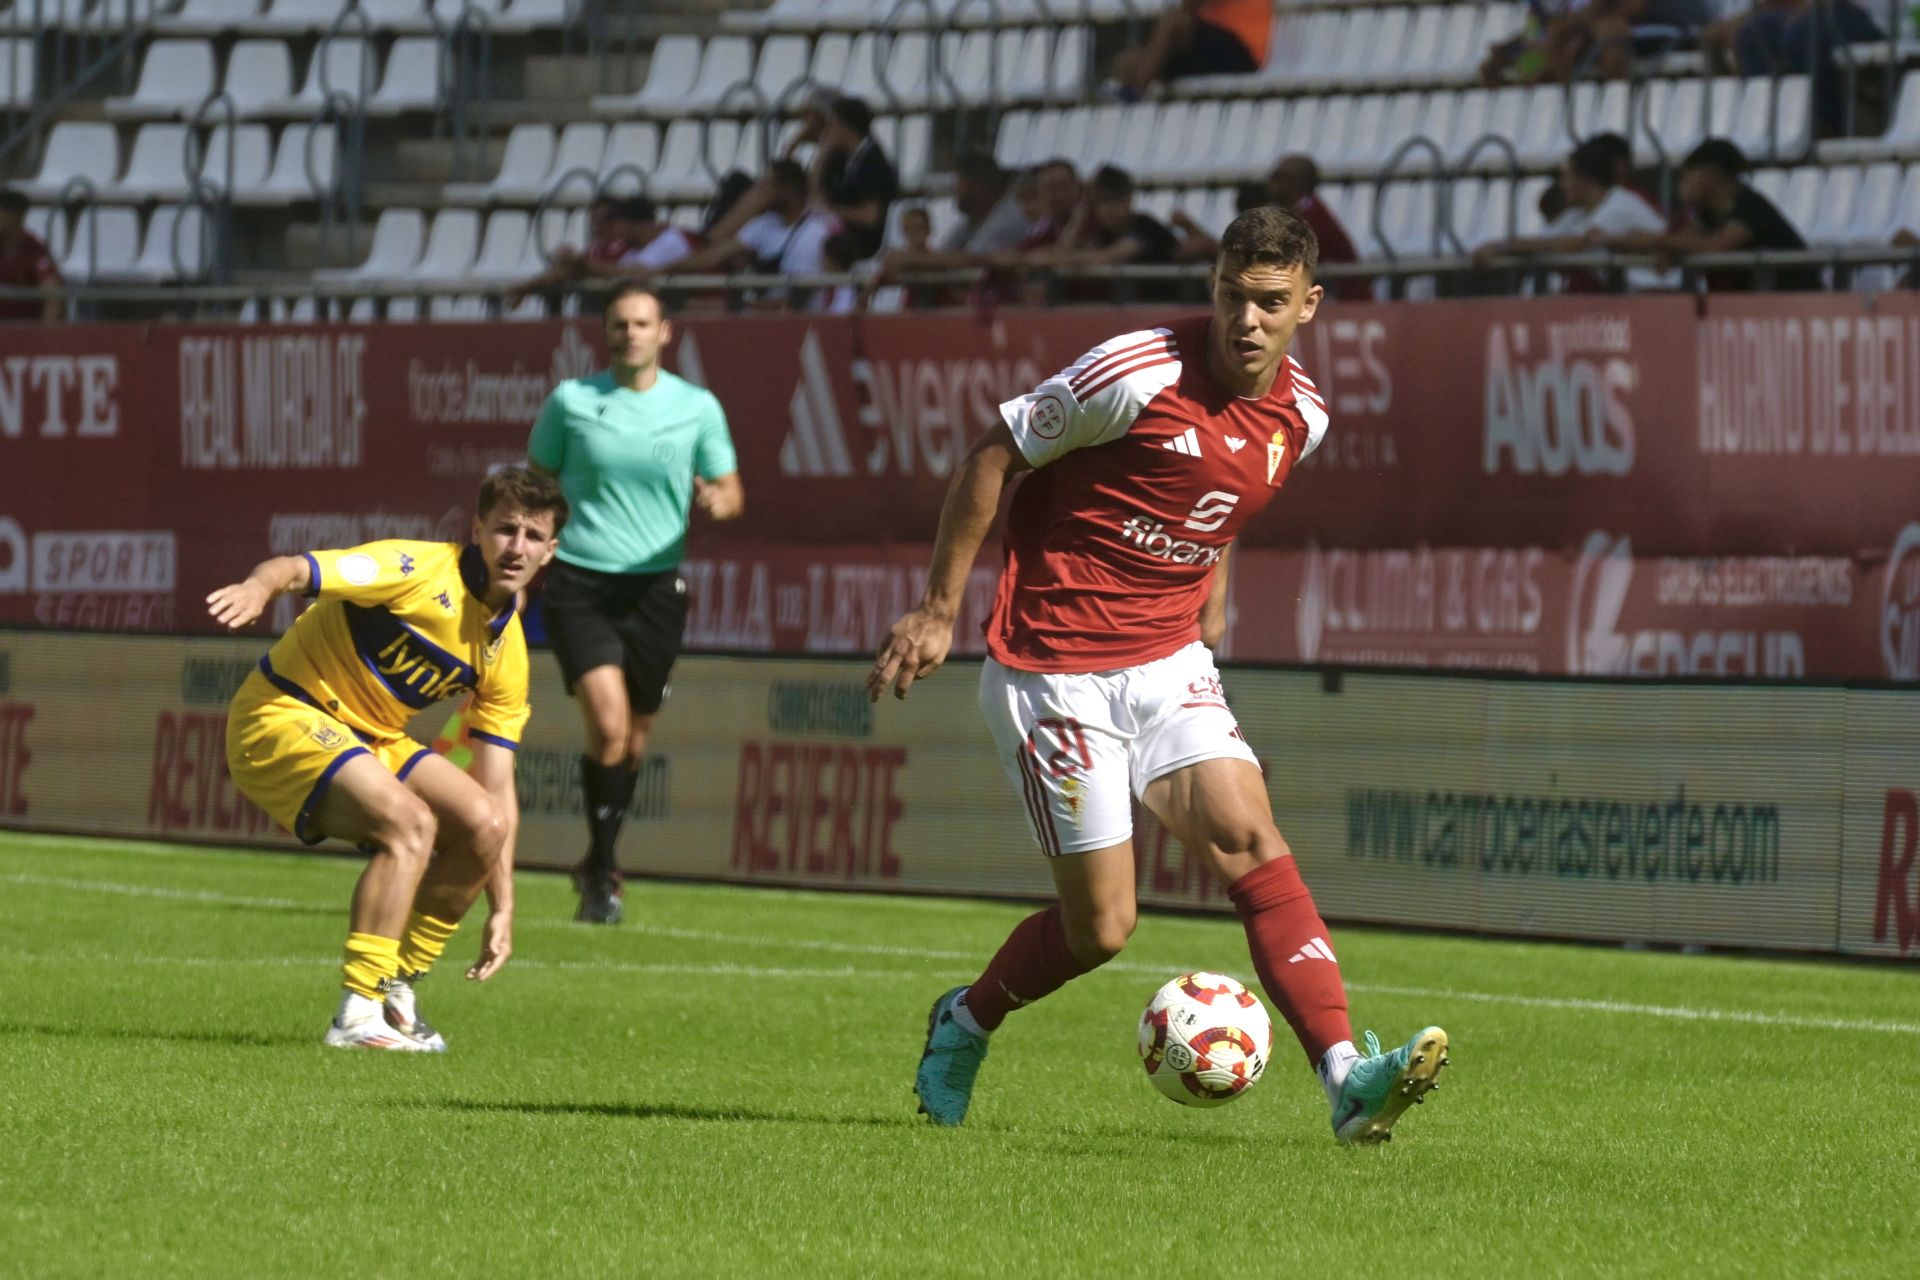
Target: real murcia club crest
(1276, 455)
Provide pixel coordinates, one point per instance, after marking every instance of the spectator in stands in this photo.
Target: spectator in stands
(1292, 184)
(1619, 153)
(1727, 216)
(630, 241)
(1110, 231)
(990, 222)
(916, 230)
(1561, 38)
(852, 177)
(26, 264)
(837, 257)
(1595, 208)
(1057, 196)
(1197, 244)
(1194, 38)
(788, 239)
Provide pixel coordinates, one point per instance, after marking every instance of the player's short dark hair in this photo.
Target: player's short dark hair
(853, 112)
(1111, 182)
(1270, 236)
(788, 174)
(1717, 153)
(524, 488)
(13, 202)
(1594, 161)
(634, 289)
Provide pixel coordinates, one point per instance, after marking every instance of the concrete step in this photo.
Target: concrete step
(308, 248)
(432, 160)
(550, 78)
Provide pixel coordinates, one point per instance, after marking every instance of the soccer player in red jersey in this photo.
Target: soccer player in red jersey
(1147, 456)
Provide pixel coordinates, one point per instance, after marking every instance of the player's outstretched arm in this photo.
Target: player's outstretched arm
(492, 768)
(917, 644)
(242, 603)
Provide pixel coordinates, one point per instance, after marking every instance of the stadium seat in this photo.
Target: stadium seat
(782, 63)
(297, 17)
(75, 149)
(543, 15)
(1833, 211)
(453, 243)
(633, 149)
(102, 242)
(831, 54)
(157, 164)
(524, 163)
(671, 74)
(307, 155)
(401, 17)
(1901, 141)
(1877, 210)
(174, 248)
(206, 18)
(579, 151)
(342, 66)
(413, 80)
(1671, 126)
(398, 237)
(1800, 200)
(259, 74)
(503, 249)
(175, 77)
(17, 73)
(250, 149)
(1596, 108)
(682, 172)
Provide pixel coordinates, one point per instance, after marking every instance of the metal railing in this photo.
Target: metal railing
(75, 58)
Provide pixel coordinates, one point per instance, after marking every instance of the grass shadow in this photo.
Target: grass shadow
(652, 1111)
(239, 1039)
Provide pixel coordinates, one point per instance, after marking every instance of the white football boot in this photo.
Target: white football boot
(362, 1024)
(403, 1012)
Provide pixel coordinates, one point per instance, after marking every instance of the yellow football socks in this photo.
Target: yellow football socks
(425, 939)
(371, 960)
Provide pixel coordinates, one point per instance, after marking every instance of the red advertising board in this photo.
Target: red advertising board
(1591, 484)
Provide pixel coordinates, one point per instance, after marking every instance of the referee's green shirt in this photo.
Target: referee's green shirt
(626, 462)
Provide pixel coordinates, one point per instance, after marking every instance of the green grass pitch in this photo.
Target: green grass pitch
(720, 1088)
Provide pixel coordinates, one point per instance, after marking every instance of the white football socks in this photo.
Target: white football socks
(1333, 1068)
(964, 1016)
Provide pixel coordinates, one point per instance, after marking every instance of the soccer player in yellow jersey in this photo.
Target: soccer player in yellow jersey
(317, 737)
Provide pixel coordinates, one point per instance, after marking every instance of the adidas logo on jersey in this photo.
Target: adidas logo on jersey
(1317, 948)
(1152, 537)
(1187, 442)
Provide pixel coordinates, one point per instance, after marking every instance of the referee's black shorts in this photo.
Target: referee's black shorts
(633, 621)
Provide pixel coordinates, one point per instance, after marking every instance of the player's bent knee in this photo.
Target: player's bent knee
(409, 831)
(489, 834)
(1100, 939)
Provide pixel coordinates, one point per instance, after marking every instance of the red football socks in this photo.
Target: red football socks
(1033, 962)
(1292, 956)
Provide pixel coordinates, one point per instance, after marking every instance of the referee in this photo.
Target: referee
(634, 449)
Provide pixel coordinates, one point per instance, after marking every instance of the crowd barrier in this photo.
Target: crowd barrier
(1570, 485)
(1744, 816)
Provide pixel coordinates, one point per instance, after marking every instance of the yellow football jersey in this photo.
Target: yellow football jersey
(399, 627)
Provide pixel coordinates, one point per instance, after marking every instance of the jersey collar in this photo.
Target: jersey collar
(473, 572)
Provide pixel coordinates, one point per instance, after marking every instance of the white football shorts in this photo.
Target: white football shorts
(1082, 747)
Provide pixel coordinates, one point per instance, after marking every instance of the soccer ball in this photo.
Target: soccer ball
(1205, 1039)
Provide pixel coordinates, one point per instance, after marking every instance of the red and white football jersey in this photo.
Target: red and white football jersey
(1145, 469)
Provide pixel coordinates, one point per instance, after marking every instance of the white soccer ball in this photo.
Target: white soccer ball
(1205, 1039)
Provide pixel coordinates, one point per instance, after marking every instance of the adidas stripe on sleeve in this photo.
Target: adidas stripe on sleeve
(1095, 399)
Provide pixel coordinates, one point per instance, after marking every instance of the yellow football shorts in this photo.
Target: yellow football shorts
(283, 752)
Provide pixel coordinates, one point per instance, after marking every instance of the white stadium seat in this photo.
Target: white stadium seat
(503, 249)
(1832, 220)
(259, 73)
(83, 149)
(156, 167)
(1876, 210)
(453, 243)
(102, 242)
(398, 237)
(338, 67)
(305, 154)
(633, 148)
(297, 17)
(17, 76)
(578, 153)
(524, 163)
(1901, 141)
(414, 78)
(175, 247)
(175, 77)
(670, 77)
(250, 148)
(783, 62)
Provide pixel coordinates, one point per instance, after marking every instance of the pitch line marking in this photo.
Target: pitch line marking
(1679, 1013)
